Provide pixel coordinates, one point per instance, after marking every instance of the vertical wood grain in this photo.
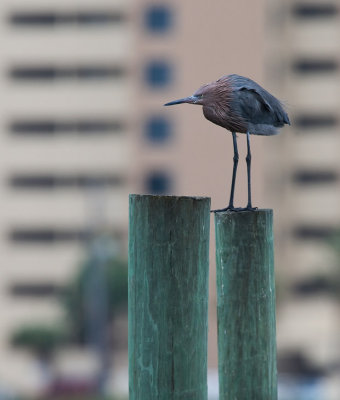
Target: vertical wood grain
(168, 297)
(246, 305)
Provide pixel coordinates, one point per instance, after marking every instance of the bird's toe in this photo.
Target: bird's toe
(248, 208)
(229, 208)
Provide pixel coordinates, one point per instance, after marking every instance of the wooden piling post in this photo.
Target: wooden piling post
(246, 305)
(168, 297)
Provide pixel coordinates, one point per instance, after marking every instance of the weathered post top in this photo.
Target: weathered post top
(245, 213)
(167, 199)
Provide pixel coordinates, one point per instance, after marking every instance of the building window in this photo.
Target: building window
(158, 18)
(315, 121)
(315, 177)
(26, 181)
(47, 236)
(36, 290)
(85, 72)
(51, 235)
(315, 66)
(46, 19)
(158, 74)
(158, 183)
(50, 127)
(314, 285)
(158, 130)
(314, 10)
(305, 232)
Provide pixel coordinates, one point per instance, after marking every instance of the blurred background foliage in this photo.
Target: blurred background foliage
(87, 321)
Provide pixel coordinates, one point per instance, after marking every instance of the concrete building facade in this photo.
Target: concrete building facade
(65, 154)
(303, 180)
(81, 108)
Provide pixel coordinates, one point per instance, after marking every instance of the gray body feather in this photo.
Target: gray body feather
(261, 111)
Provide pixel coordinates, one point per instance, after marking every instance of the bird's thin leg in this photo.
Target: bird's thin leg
(248, 160)
(231, 200)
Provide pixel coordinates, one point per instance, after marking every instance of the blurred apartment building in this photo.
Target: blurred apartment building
(82, 84)
(303, 165)
(82, 125)
(65, 113)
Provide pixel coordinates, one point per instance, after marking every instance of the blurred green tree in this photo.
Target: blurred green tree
(42, 340)
(98, 291)
(113, 286)
(92, 300)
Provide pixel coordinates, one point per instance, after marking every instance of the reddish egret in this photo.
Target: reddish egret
(239, 105)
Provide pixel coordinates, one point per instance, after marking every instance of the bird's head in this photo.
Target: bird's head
(199, 97)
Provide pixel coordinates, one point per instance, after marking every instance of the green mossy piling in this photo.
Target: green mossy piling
(168, 297)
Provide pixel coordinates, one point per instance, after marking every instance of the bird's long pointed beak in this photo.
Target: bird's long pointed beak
(190, 100)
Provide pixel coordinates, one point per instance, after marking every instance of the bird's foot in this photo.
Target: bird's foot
(229, 208)
(235, 209)
(248, 208)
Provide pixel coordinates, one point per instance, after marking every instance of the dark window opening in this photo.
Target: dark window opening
(315, 121)
(45, 235)
(25, 181)
(51, 235)
(51, 73)
(158, 18)
(297, 365)
(315, 66)
(314, 285)
(158, 183)
(158, 130)
(45, 19)
(50, 127)
(158, 74)
(305, 232)
(36, 290)
(314, 177)
(306, 11)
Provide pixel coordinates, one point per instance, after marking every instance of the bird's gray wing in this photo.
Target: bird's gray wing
(252, 102)
(258, 106)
